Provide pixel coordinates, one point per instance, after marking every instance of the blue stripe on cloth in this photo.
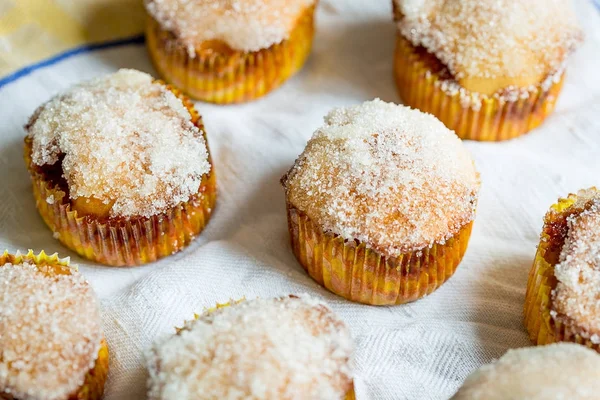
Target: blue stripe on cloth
(139, 39)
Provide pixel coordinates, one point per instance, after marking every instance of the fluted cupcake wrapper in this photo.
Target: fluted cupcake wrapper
(542, 327)
(38, 259)
(229, 76)
(537, 300)
(494, 119)
(93, 386)
(358, 273)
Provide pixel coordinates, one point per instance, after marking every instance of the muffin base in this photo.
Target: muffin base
(541, 326)
(356, 272)
(493, 119)
(221, 75)
(118, 241)
(93, 385)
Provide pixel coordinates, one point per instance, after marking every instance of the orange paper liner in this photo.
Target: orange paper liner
(358, 273)
(495, 120)
(118, 241)
(93, 386)
(221, 75)
(542, 327)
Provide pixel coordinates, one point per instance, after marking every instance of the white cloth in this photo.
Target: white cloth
(421, 350)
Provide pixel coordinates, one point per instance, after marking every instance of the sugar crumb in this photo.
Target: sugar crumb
(389, 176)
(494, 38)
(268, 349)
(577, 293)
(246, 25)
(50, 332)
(123, 139)
(555, 371)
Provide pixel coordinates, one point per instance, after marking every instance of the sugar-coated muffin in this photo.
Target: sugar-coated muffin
(489, 70)
(121, 170)
(264, 349)
(561, 303)
(51, 341)
(381, 203)
(229, 51)
(559, 371)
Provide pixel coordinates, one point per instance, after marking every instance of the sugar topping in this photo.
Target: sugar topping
(50, 332)
(577, 293)
(392, 177)
(557, 371)
(246, 25)
(521, 42)
(263, 349)
(123, 139)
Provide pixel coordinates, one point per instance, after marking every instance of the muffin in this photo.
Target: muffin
(51, 341)
(558, 371)
(264, 349)
(490, 70)
(228, 51)
(381, 203)
(120, 168)
(561, 303)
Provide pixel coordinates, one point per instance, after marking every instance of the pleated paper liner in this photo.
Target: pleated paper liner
(542, 327)
(221, 75)
(356, 272)
(117, 241)
(349, 396)
(494, 120)
(93, 386)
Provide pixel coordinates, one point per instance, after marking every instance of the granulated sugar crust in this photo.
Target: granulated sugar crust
(267, 349)
(50, 332)
(562, 371)
(125, 139)
(577, 293)
(246, 25)
(394, 178)
(493, 38)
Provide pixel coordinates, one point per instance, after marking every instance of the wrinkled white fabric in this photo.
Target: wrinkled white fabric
(421, 350)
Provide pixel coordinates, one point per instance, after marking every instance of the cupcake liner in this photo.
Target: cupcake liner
(537, 300)
(93, 386)
(542, 327)
(351, 394)
(358, 273)
(493, 119)
(118, 241)
(232, 76)
(40, 259)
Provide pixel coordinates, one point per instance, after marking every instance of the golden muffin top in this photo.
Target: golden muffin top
(489, 45)
(264, 349)
(123, 139)
(577, 294)
(392, 177)
(50, 331)
(246, 25)
(556, 371)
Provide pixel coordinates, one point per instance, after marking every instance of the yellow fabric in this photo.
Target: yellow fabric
(34, 30)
